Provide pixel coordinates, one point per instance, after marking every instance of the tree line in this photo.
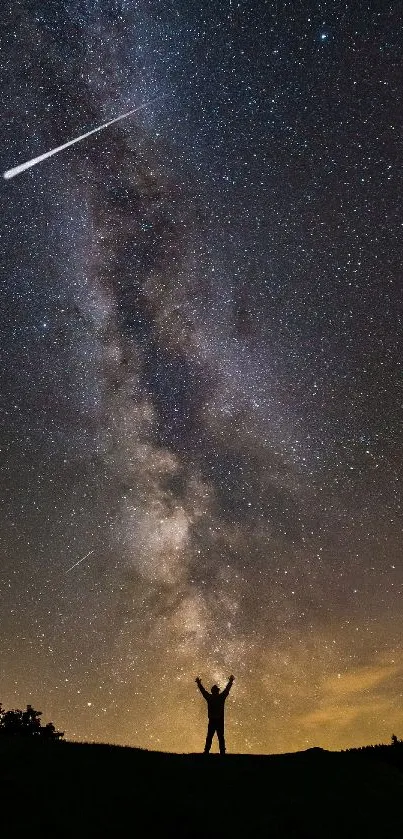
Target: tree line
(27, 724)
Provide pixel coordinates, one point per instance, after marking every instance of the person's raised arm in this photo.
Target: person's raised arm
(228, 688)
(202, 690)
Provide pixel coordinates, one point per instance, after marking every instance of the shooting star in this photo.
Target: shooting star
(80, 560)
(17, 170)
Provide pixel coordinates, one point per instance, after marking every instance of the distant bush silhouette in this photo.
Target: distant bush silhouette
(389, 752)
(27, 724)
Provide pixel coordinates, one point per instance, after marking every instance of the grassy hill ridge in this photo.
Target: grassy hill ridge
(77, 789)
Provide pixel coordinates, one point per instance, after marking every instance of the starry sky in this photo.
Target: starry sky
(201, 379)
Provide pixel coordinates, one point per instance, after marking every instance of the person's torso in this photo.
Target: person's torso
(216, 707)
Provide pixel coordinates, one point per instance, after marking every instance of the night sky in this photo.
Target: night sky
(201, 378)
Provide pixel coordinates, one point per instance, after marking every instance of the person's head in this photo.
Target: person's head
(215, 690)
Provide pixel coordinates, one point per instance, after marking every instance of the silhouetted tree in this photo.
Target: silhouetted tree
(49, 732)
(395, 740)
(27, 724)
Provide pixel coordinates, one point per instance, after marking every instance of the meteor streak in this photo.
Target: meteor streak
(16, 170)
(80, 560)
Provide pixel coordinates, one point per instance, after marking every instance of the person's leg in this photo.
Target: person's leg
(220, 735)
(209, 738)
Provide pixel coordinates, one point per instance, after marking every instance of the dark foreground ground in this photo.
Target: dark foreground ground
(82, 790)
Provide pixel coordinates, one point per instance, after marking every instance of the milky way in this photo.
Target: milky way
(201, 372)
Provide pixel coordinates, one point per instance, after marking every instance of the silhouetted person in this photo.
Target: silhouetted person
(215, 705)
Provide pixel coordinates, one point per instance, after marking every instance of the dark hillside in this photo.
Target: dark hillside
(77, 790)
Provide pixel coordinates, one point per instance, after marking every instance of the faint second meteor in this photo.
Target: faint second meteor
(16, 170)
(80, 560)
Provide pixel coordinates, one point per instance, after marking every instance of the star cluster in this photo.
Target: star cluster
(201, 370)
